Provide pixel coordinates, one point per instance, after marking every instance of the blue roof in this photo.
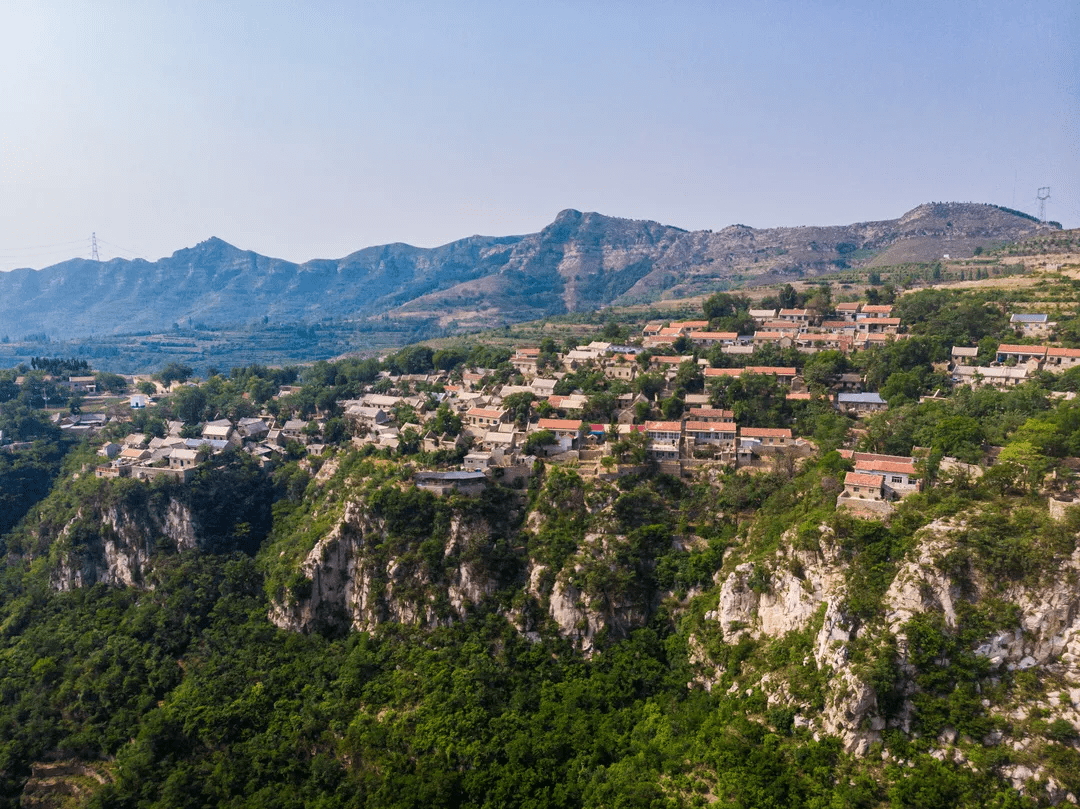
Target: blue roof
(450, 476)
(860, 398)
(1029, 318)
(215, 443)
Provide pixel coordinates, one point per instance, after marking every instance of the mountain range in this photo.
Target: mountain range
(581, 261)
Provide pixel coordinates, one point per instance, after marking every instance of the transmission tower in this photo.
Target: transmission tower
(1043, 196)
(93, 247)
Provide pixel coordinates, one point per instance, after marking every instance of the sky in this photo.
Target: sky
(310, 130)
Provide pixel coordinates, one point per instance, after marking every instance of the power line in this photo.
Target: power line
(1043, 195)
(19, 256)
(121, 249)
(11, 257)
(43, 250)
(41, 246)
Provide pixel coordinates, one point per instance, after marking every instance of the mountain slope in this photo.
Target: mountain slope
(581, 261)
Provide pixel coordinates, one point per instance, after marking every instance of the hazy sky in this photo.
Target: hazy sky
(306, 130)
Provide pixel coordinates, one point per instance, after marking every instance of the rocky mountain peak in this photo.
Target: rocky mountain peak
(582, 260)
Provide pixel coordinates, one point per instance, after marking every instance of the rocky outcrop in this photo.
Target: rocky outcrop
(62, 782)
(772, 602)
(768, 599)
(1048, 632)
(113, 545)
(352, 586)
(347, 582)
(799, 588)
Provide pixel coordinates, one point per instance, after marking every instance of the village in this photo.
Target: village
(478, 429)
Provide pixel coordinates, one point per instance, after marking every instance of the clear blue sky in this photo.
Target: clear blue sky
(307, 130)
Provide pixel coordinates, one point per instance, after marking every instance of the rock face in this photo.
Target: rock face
(349, 583)
(60, 782)
(791, 592)
(118, 551)
(585, 260)
(352, 587)
(579, 262)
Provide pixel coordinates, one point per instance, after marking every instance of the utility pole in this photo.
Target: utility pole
(1043, 195)
(93, 248)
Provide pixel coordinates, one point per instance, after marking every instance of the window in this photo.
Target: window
(897, 479)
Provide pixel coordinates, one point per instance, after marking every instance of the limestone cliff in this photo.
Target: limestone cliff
(367, 570)
(1037, 631)
(350, 585)
(113, 544)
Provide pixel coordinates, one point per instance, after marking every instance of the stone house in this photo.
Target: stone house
(860, 404)
(864, 486)
(1061, 359)
(1020, 354)
(1032, 325)
(964, 355)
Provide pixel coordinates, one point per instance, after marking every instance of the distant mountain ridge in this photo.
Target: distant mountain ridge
(581, 261)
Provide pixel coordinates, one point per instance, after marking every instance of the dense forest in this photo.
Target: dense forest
(181, 692)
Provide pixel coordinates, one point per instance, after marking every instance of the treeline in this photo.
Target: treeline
(58, 366)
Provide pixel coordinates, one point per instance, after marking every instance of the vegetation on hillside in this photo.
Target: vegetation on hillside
(180, 691)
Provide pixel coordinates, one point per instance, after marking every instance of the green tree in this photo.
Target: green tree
(1026, 457)
(412, 360)
(519, 405)
(600, 407)
(113, 383)
(408, 441)
(689, 377)
(901, 387)
(960, 436)
(672, 408)
(649, 385)
(538, 440)
(188, 404)
(446, 359)
(722, 305)
(633, 449)
(642, 412)
(8, 389)
(446, 421)
(614, 331)
(174, 372)
(682, 345)
(404, 413)
(788, 297)
(823, 368)
(820, 302)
